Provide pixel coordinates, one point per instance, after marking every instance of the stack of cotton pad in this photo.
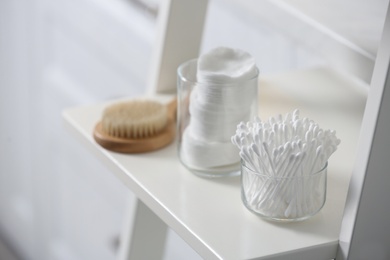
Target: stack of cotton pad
(224, 95)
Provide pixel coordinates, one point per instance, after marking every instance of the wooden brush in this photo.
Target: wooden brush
(136, 126)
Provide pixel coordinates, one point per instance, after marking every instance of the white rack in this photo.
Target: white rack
(208, 213)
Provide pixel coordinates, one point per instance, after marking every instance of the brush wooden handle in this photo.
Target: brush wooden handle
(139, 145)
(172, 109)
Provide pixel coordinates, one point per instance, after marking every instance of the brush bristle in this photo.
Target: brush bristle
(134, 119)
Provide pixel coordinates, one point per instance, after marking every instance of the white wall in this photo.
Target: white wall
(16, 210)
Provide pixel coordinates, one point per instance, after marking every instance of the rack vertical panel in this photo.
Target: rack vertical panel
(365, 231)
(179, 35)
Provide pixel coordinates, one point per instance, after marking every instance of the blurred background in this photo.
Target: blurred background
(57, 201)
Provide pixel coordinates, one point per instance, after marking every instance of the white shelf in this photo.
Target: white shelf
(208, 213)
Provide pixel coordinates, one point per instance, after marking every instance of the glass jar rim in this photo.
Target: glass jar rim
(323, 169)
(183, 78)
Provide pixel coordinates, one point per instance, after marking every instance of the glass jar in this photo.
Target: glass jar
(208, 114)
(278, 198)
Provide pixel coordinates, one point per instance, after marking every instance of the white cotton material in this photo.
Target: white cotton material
(223, 97)
(202, 155)
(223, 65)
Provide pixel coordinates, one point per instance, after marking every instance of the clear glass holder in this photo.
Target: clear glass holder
(283, 199)
(208, 115)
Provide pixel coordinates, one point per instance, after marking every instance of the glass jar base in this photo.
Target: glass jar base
(283, 198)
(281, 219)
(216, 172)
